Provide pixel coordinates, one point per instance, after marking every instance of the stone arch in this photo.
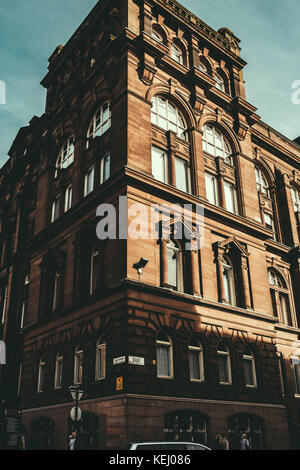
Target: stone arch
(187, 425)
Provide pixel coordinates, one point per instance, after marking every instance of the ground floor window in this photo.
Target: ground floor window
(250, 425)
(186, 425)
(42, 431)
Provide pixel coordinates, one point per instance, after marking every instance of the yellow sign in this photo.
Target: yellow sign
(119, 385)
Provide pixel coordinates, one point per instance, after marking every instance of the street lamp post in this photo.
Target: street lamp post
(76, 393)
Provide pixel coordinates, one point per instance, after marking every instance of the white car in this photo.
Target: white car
(167, 446)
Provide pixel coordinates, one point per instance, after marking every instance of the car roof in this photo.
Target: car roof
(168, 442)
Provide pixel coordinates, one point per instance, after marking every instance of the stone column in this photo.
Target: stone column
(164, 263)
(195, 272)
(245, 282)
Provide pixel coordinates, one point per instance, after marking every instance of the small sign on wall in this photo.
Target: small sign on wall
(119, 383)
(119, 360)
(137, 361)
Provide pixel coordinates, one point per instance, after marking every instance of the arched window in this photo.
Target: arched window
(100, 365)
(42, 375)
(66, 155)
(58, 371)
(100, 123)
(215, 144)
(164, 356)
(196, 361)
(157, 35)
(203, 67)
(250, 425)
(249, 368)
(224, 365)
(228, 280)
(280, 298)
(78, 365)
(95, 267)
(220, 82)
(175, 272)
(177, 54)
(167, 116)
(261, 182)
(186, 426)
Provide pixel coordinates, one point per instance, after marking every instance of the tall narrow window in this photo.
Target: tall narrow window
(24, 303)
(269, 222)
(182, 172)
(228, 279)
(56, 290)
(100, 123)
(211, 186)
(224, 365)
(296, 199)
(78, 365)
(196, 361)
(261, 182)
(66, 155)
(100, 367)
(215, 144)
(176, 54)
(68, 198)
(3, 303)
(175, 274)
(167, 116)
(249, 368)
(220, 83)
(42, 375)
(230, 198)
(55, 209)
(104, 168)
(58, 371)
(280, 298)
(94, 270)
(89, 181)
(295, 363)
(159, 165)
(164, 355)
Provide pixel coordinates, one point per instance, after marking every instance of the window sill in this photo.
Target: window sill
(228, 384)
(165, 378)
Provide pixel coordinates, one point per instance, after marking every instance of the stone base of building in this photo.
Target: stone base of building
(113, 422)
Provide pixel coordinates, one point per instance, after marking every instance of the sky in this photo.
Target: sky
(269, 31)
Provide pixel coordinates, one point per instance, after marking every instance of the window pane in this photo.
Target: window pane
(158, 165)
(172, 268)
(230, 197)
(181, 175)
(195, 364)
(211, 188)
(223, 368)
(163, 361)
(248, 368)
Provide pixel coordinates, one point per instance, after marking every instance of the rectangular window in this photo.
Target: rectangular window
(296, 373)
(58, 372)
(182, 173)
(211, 185)
(159, 165)
(296, 199)
(55, 210)
(269, 222)
(163, 361)
(285, 309)
(78, 367)
(68, 198)
(224, 369)
(100, 362)
(42, 375)
(89, 181)
(104, 168)
(249, 369)
(3, 303)
(230, 198)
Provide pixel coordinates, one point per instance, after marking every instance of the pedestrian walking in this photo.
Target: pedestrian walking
(244, 442)
(225, 443)
(217, 443)
(74, 442)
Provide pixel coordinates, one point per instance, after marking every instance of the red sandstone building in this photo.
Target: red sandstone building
(147, 101)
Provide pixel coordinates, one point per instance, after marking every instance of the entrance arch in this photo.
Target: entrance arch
(249, 424)
(186, 425)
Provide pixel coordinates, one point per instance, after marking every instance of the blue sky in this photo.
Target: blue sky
(269, 31)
